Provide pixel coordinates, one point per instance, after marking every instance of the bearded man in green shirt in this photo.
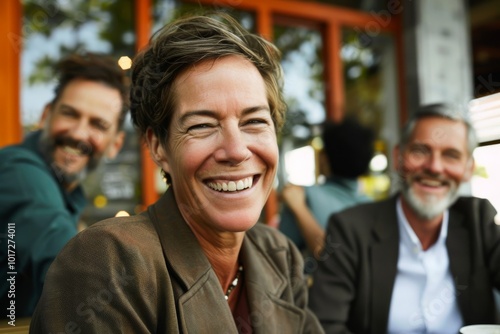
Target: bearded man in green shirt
(41, 198)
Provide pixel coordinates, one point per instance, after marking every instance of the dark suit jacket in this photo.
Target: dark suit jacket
(352, 287)
(148, 274)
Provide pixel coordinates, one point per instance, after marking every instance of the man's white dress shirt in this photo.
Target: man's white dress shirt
(423, 298)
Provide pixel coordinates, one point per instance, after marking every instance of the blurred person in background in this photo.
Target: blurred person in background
(40, 194)
(347, 151)
(425, 260)
(207, 97)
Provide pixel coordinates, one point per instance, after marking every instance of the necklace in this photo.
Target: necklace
(234, 283)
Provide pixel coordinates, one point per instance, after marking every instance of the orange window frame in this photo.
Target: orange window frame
(10, 30)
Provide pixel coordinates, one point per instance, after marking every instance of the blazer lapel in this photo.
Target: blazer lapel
(384, 259)
(193, 270)
(269, 313)
(459, 248)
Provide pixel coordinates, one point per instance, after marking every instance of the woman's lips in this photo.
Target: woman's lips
(229, 186)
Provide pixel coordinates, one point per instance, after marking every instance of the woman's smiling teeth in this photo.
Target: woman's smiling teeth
(232, 185)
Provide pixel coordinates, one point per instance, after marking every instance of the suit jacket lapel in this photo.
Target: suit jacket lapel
(384, 259)
(269, 313)
(193, 270)
(459, 248)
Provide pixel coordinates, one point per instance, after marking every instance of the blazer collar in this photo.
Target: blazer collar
(186, 258)
(384, 259)
(385, 221)
(180, 246)
(191, 268)
(270, 313)
(255, 261)
(458, 244)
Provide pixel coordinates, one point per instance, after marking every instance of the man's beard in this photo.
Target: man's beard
(48, 146)
(430, 206)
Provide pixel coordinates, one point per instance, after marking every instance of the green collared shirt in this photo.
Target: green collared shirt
(335, 195)
(37, 218)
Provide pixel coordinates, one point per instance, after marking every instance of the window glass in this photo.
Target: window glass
(485, 117)
(487, 175)
(371, 97)
(167, 10)
(304, 92)
(303, 68)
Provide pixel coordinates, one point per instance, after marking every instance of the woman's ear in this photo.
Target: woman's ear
(156, 150)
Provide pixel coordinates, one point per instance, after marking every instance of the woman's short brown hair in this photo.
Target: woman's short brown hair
(184, 43)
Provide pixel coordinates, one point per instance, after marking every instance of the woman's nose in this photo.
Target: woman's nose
(233, 147)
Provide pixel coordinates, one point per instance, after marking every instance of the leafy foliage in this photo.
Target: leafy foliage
(45, 18)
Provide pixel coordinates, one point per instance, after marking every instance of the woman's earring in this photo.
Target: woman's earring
(163, 175)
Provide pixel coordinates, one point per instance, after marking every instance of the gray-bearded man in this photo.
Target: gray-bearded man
(423, 261)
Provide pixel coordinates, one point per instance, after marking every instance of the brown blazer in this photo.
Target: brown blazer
(353, 285)
(148, 274)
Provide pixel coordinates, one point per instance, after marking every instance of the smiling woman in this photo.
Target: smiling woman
(206, 96)
(222, 132)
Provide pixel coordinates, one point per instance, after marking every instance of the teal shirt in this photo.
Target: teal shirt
(37, 218)
(335, 195)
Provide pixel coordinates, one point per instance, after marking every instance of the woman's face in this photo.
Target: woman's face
(221, 151)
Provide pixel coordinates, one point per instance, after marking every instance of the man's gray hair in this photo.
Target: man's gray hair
(446, 111)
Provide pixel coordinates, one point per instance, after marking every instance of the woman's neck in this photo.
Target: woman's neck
(223, 254)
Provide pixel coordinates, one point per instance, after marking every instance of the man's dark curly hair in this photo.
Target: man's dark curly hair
(93, 67)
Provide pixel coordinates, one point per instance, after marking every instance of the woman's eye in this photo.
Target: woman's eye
(199, 126)
(258, 121)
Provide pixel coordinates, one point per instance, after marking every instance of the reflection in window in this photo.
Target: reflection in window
(165, 11)
(370, 96)
(487, 175)
(303, 68)
(304, 93)
(485, 117)
(366, 76)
